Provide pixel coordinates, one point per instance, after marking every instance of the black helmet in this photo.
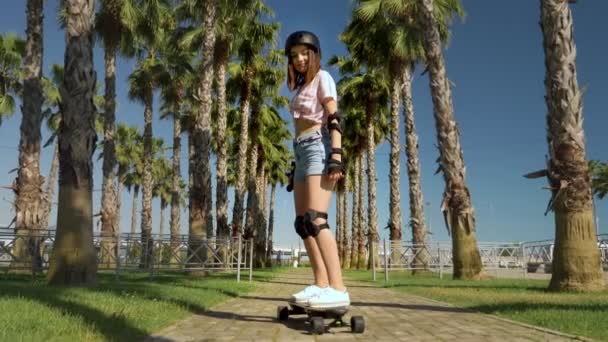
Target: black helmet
(302, 37)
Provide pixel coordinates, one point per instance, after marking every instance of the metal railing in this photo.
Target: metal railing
(529, 257)
(32, 251)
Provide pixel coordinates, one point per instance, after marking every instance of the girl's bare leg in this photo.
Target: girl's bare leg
(319, 191)
(314, 255)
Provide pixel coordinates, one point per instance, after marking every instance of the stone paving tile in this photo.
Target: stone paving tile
(388, 317)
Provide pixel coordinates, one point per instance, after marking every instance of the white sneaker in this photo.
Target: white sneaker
(303, 296)
(329, 298)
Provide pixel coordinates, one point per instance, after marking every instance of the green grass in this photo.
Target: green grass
(124, 310)
(527, 301)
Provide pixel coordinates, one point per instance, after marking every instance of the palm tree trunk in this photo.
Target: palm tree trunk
(260, 224)
(119, 185)
(74, 261)
(50, 187)
(456, 205)
(345, 226)
(147, 183)
(237, 212)
(354, 256)
(417, 222)
(363, 224)
(29, 197)
(201, 198)
(271, 226)
(339, 228)
(134, 211)
(175, 189)
(161, 226)
(221, 58)
(371, 189)
(576, 260)
(109, 223)
(190, 179)
(394, 178)
(252, 191)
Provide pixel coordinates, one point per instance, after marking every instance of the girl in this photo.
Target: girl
(318, 165)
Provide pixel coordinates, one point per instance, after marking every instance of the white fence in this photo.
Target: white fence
(528, 257)
(132, 253)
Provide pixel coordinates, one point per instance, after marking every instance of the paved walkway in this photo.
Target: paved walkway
(389, 316)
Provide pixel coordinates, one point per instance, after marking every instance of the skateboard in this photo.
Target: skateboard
(317, 316)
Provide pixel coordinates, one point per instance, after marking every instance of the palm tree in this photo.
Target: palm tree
(152, 21)
(132, 181)
(599, 178)
(128, 156)
(74, 261)
(204, 14)
(369, 91)
(345, 239)
(12, 53)
(29, 196)
(52, 114)
(112, 32)
(456, 205)
(276, 166)
(576, 261)
(162, 188)
(259, 34)
(231, 18)
(354, 144)
(175, 79)
(265, 86)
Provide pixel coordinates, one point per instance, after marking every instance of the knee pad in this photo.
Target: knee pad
(301, 227)
(313, 228)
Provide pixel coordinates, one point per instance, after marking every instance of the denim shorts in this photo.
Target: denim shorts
(312, 153)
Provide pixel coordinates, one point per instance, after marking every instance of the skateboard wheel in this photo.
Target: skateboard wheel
(282, 313)
(318, 325)
(357, 324)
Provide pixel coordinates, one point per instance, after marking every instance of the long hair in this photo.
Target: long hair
(296, 79)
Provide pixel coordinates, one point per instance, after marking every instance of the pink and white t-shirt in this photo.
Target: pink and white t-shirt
(308, 101)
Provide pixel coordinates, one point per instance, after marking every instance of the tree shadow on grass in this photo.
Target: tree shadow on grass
(113, 327)
(527, 306)
(480, 286)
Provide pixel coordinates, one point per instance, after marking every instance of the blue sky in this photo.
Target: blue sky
(496, 63)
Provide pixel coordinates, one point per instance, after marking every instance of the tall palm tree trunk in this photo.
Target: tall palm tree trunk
(456, 205)
(252, 191)
(201, 193)
(50, 187)
(372, 213)
(134, 211)
(345, 226)
(339, 227)
(161, 224)
(273, 190)
(29, 196)
(74, 261)
(109, 223)
(260, 223)
(363, 224)
(576, 261)
(147, 183)
(119, 185)
(237, 212)
(190, 179)
(417, 222)
(221, 205)
(394, 178)
(175, 189)
(354, 256)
